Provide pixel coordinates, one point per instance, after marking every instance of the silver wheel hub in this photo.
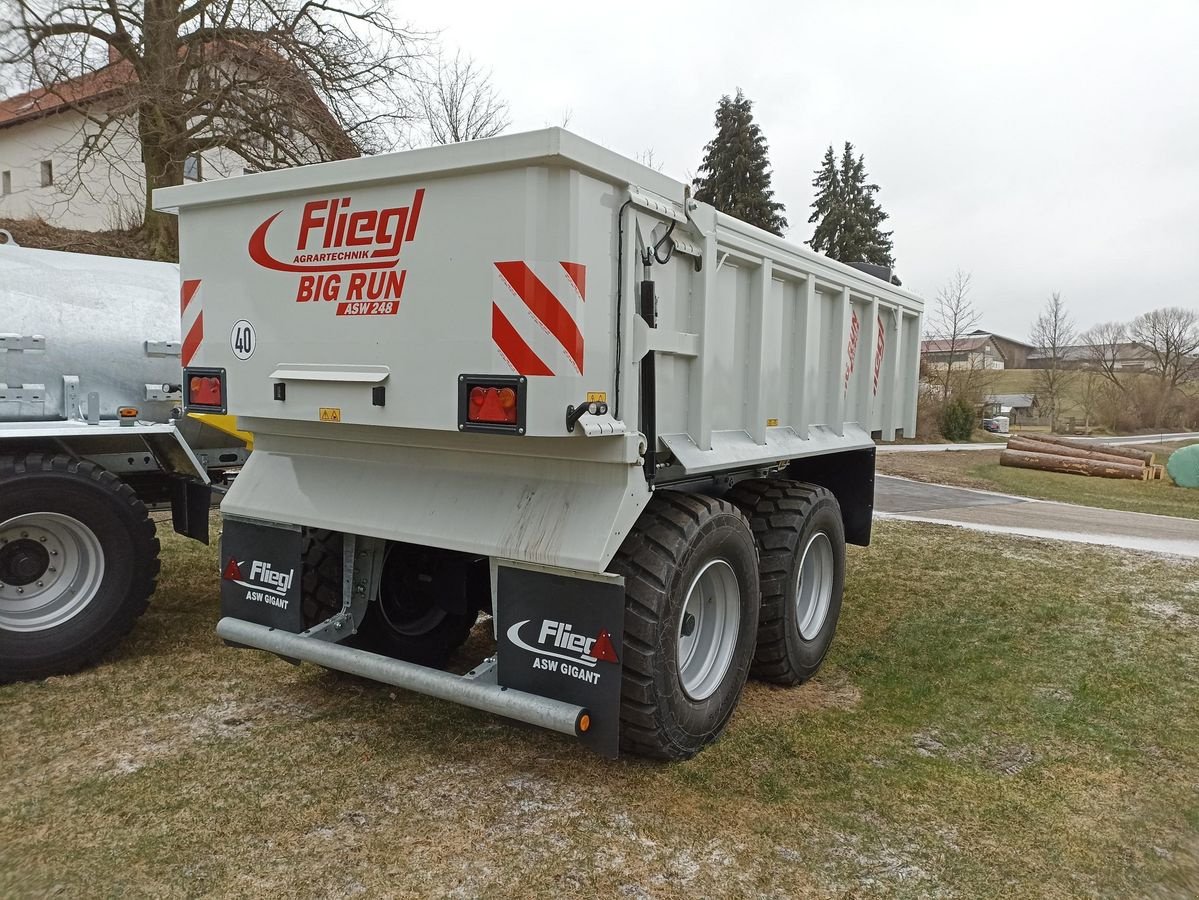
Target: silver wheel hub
(814, 587)
(708, 629)
(51, 566)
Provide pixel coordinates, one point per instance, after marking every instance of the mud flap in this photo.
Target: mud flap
(260, 574)
(562, 637)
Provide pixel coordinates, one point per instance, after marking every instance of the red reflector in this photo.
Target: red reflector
(493, 406)
(204, 390)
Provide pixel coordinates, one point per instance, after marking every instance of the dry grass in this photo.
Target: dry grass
(981, 470)
(965, 739)
(42, 236)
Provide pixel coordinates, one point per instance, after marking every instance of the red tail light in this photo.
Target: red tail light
(205, 390)
(492, 403)
(492, 406)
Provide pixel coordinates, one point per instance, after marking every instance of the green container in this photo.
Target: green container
(1183, 466)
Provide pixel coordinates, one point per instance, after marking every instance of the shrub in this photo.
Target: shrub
(957, 420)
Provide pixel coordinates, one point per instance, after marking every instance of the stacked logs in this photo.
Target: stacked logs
(1050, 453)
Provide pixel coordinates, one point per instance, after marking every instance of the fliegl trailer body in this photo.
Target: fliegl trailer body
(529, 377)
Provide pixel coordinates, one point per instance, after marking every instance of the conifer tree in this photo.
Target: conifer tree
(847, 215)
(735, 174)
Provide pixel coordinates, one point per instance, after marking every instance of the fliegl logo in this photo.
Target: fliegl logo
(344, 254)
(559, 649)
(266, 584)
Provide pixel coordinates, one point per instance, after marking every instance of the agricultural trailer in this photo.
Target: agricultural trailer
(92, 438)
(532, 378)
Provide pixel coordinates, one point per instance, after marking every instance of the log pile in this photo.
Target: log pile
(1050, 453)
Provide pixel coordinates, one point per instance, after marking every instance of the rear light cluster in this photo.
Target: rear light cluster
(494, 403)
(204, 390)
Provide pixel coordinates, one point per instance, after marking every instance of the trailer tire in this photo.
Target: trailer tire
(794, 525)
(78, 563)
(428, 641)
(687, 557)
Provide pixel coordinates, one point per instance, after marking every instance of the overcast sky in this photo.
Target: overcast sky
(1040, 146)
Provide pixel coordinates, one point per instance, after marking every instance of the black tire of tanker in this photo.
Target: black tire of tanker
(691, 584)
(801, 547)
(78, 563)
(427, 637)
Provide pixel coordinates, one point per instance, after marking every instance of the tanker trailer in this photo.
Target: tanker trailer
(92, 437)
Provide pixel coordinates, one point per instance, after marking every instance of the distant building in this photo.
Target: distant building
(977, 350)
(1019, 407)
(1129, 357)
(43, 173)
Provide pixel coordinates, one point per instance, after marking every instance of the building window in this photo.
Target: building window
(193, 168)
(47, 173)
(5, 184)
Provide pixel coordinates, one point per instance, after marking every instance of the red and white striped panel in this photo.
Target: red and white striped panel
(537, 314)
(191, 311)
(880, 347)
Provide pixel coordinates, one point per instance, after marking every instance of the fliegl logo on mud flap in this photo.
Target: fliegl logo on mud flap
(265, 584)
(556, 647)
(343, 253)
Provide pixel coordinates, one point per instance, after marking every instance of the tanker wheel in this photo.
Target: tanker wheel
(397, 623)
(78, 563)
(691, 616)
(801, 544)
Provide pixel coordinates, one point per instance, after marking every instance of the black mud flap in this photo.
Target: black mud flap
(260, 574)
(191, 503)
(562, 637)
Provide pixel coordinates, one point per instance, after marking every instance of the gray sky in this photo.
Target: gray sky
(1039, 146)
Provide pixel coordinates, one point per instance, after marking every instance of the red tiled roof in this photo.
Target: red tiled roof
(84, 89)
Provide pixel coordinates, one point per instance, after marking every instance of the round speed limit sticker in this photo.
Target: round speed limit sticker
(242, 339)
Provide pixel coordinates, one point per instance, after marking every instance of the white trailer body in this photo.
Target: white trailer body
(408, 335)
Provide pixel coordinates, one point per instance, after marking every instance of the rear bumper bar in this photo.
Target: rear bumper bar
(556, 715)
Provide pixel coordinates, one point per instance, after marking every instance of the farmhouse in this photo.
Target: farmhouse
(47, 172)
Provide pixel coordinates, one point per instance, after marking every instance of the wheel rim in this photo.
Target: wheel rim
(400, 606)
(814, 588)
(708, 627)
(51, 567)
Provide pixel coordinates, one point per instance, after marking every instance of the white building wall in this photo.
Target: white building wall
(105, 192)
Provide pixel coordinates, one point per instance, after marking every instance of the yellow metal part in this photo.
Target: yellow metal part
(227, 424)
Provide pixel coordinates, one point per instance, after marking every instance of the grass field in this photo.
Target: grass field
(971, 735)
(980, 469)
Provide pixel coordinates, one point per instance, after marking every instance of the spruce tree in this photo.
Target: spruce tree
(735, 174)
(847, 215)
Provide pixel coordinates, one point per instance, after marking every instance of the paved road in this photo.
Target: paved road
(901, 498)
(999, 445)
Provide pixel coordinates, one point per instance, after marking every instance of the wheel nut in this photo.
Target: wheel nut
(688, 625)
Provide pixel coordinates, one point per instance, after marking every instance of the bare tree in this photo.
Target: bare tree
(1171, 337)
(649, 158)
(459, 103)
(1102, 345)
(953, 318)
(276, 82)
(1052, 333)
(1090, 394)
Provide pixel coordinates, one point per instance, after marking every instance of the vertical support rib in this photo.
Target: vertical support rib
(703, 366)
(896, 400)
(867, 353)
(763, 368)
(911, 375)
(841, 336)
(806, 383)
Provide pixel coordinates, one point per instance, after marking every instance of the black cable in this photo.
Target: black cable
(619, 302)
(662, 240)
